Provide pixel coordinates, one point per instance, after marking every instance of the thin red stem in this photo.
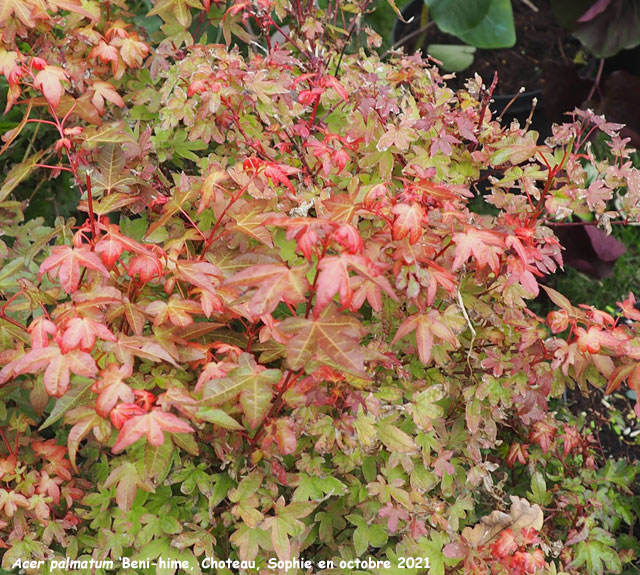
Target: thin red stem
(6, 442)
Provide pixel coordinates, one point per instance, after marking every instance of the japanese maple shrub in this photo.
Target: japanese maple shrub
(275, 328)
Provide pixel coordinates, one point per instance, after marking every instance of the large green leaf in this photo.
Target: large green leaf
(481, 23)
(454, 57)
(597, 558)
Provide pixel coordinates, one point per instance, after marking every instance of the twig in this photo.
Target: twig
(596, 83)
(405, 38)
(473, 331)
(531, 5)
(515, 97)
(352, 29)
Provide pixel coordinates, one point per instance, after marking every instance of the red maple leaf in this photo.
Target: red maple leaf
(104, 52)
(146, 266)
(49, 81)
(543, 434)
(123, 412)
(81, 333)
(151, 425)
(484, 245)
(594, 338)
(66, 262)
(408, 222)
(517, 452)
(505, 545)
(57, 366)
(113, 243)
(112, 388)
(54, 456)
(40, 329)
(333, 278)
(426, 325)
(276, 283)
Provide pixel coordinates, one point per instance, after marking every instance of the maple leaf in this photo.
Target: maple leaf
(54, 458)
(105, 52)
(144, 347)
(113, 244)
(628, 308)
(394, 514)
(543, 434)
(123, 412)
(49, 486)
(214, 370)
(151, 425)
(525, 274)
(333, 278)
(10, 501)
(111, 388)
(286, 523)
(40, 329)
(484, 245)
(204, 275)
(426, 325)
(212, 188)
(442, 464)
(65, 262)
(517, 452)
(276, 283)
(21, 9)
(176, 310)
(505, 544)
(285, 436)
(438, 276)
(179, 8)
(594, 338)
(49, 81)
(408, 222)
(333, 82)
(132, 50)
(558, 320)
(331, 339)
(57, 366)
(105, 91)
(398, 136)
(128, 479)
(84, 420)
(146, 266)
(347, 236)
(72, 6)
(252, 382)
(81, 333)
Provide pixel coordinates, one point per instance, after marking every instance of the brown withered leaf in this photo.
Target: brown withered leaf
(522, 515)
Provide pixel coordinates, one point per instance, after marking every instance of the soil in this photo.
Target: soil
(616, 444)
(541, 45)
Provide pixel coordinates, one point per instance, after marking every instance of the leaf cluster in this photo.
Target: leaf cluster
(276, 327)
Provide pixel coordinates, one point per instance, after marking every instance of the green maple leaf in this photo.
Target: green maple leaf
(250, 540)
(286, 523)
(252, 382)
(179, 8)
(597, 556)
(128, 479)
